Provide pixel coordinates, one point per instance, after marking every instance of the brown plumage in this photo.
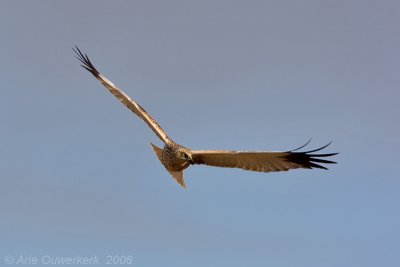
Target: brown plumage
(176, 158)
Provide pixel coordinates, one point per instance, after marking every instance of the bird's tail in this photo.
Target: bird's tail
(178, 176)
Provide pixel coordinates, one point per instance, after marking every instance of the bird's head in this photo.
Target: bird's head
(184, 154)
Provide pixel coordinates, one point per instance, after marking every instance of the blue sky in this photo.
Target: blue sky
(78, 176)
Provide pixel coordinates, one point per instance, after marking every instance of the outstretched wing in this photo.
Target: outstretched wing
(121, 96)
(262, 161)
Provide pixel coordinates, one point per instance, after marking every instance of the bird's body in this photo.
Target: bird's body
(175, 158)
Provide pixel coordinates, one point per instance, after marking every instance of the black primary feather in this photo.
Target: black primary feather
(84, 59)
(308, 160)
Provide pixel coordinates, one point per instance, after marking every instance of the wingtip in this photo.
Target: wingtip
(84, 59)
(308, 160)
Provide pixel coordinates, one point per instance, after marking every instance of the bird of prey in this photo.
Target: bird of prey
(175, 157)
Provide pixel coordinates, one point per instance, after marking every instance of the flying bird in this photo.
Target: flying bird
(176, 158)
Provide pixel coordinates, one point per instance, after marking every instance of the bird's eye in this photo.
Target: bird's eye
(184, 155)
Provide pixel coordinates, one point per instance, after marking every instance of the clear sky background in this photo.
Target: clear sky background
(77, 173)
